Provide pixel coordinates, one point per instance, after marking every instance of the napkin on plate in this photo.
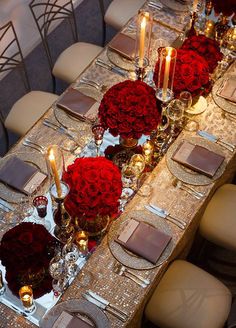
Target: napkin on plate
(124, 45)
(198, 158)
(66, 320)
(79, 105)
(144, 240)
(228, 90)
(21, 175)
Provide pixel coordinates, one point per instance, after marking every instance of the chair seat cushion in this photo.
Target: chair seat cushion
(73, 60)
(218, 223)
(120, 11)
(188, 297)
(27, 110)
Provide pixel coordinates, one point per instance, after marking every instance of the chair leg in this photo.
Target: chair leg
(104, 33)
(54, 86)
(102, 9)
(5, 134)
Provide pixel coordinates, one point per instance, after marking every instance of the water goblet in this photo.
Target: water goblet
(175, 111)
(186, 99)
(98, 132)
(70, 252)
(57, 267)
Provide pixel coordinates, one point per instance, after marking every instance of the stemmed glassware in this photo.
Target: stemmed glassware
(186, 99)
(70, 253)
(98, 132)
(175, 111)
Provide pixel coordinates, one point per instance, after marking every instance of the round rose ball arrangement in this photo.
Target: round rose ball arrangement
(95, 188)
(129, 109)
(26, 251)
(191, 73)
(207, 48)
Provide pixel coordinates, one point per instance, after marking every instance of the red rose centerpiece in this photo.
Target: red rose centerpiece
(26, 251)
(191, 73)
(129, 109)
(205, 47)
(95, 189)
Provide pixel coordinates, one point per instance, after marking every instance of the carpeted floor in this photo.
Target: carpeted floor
(89, 23)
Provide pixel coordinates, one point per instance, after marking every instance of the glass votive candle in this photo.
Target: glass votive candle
(148, 150)
(40, 203)
(138, 161)
(2, 287)
(209, 28)
(81, 240)
(26, 297)
(129, 177)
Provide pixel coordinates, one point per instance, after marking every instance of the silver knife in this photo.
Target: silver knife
(103, 307)
(179, 224)
(58, 128)
(105, 302)
(111, 68)
(6, 205)
(215, 139)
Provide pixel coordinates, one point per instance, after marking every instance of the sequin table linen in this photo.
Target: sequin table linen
(120, 290)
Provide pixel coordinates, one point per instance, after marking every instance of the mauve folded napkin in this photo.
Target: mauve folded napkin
(198, 158)
(79, 105)
(228, 90)
(124, 45)
(144, 240)
(20, 175)
(66, 320)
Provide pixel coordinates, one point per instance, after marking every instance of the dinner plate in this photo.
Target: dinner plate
(226, 105)
(35, 159)
(71, 122)
(175, 5)
(120, 61)
(187, 175)
(74, 306)
(128, 258)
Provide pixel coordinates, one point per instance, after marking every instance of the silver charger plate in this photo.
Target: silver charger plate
(226, 105)
(120, 61)
(175, 5)
(126, 257)
(187, 175)
(83, 307)
(33, 158)
(73, 123)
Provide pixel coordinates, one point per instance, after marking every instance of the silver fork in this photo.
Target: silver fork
(179, 184)
(28, 143)
(100, 87)
(119, 266)
(122, 272)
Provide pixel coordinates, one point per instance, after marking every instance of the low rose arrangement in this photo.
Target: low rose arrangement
(129, 109)
(26, 251)
(191, 73)
(95, 188)
(205, 47)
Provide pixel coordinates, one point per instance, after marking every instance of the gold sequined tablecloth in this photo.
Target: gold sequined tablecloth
(118, 289)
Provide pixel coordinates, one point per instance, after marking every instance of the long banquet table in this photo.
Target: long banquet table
(119, 290)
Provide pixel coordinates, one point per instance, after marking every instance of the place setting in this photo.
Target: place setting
(128, 243)
(196, 160)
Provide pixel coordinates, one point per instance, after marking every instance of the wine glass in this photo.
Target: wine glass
(70, 253)
(175, 111)
(98, 132)
(186, 99)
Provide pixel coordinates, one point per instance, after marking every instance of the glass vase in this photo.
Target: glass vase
(166, 74)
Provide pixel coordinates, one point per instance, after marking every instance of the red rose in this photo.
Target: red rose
(205, 47)
(100, 191)
(191, 72)
(125, 106)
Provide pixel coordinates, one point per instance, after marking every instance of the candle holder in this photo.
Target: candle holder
(81, 240)
(26, 297)
(138, 162)
(148, 149)
(209, 30)
(166, 74)
(2, 287)
(142, 45)
(63, 229)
